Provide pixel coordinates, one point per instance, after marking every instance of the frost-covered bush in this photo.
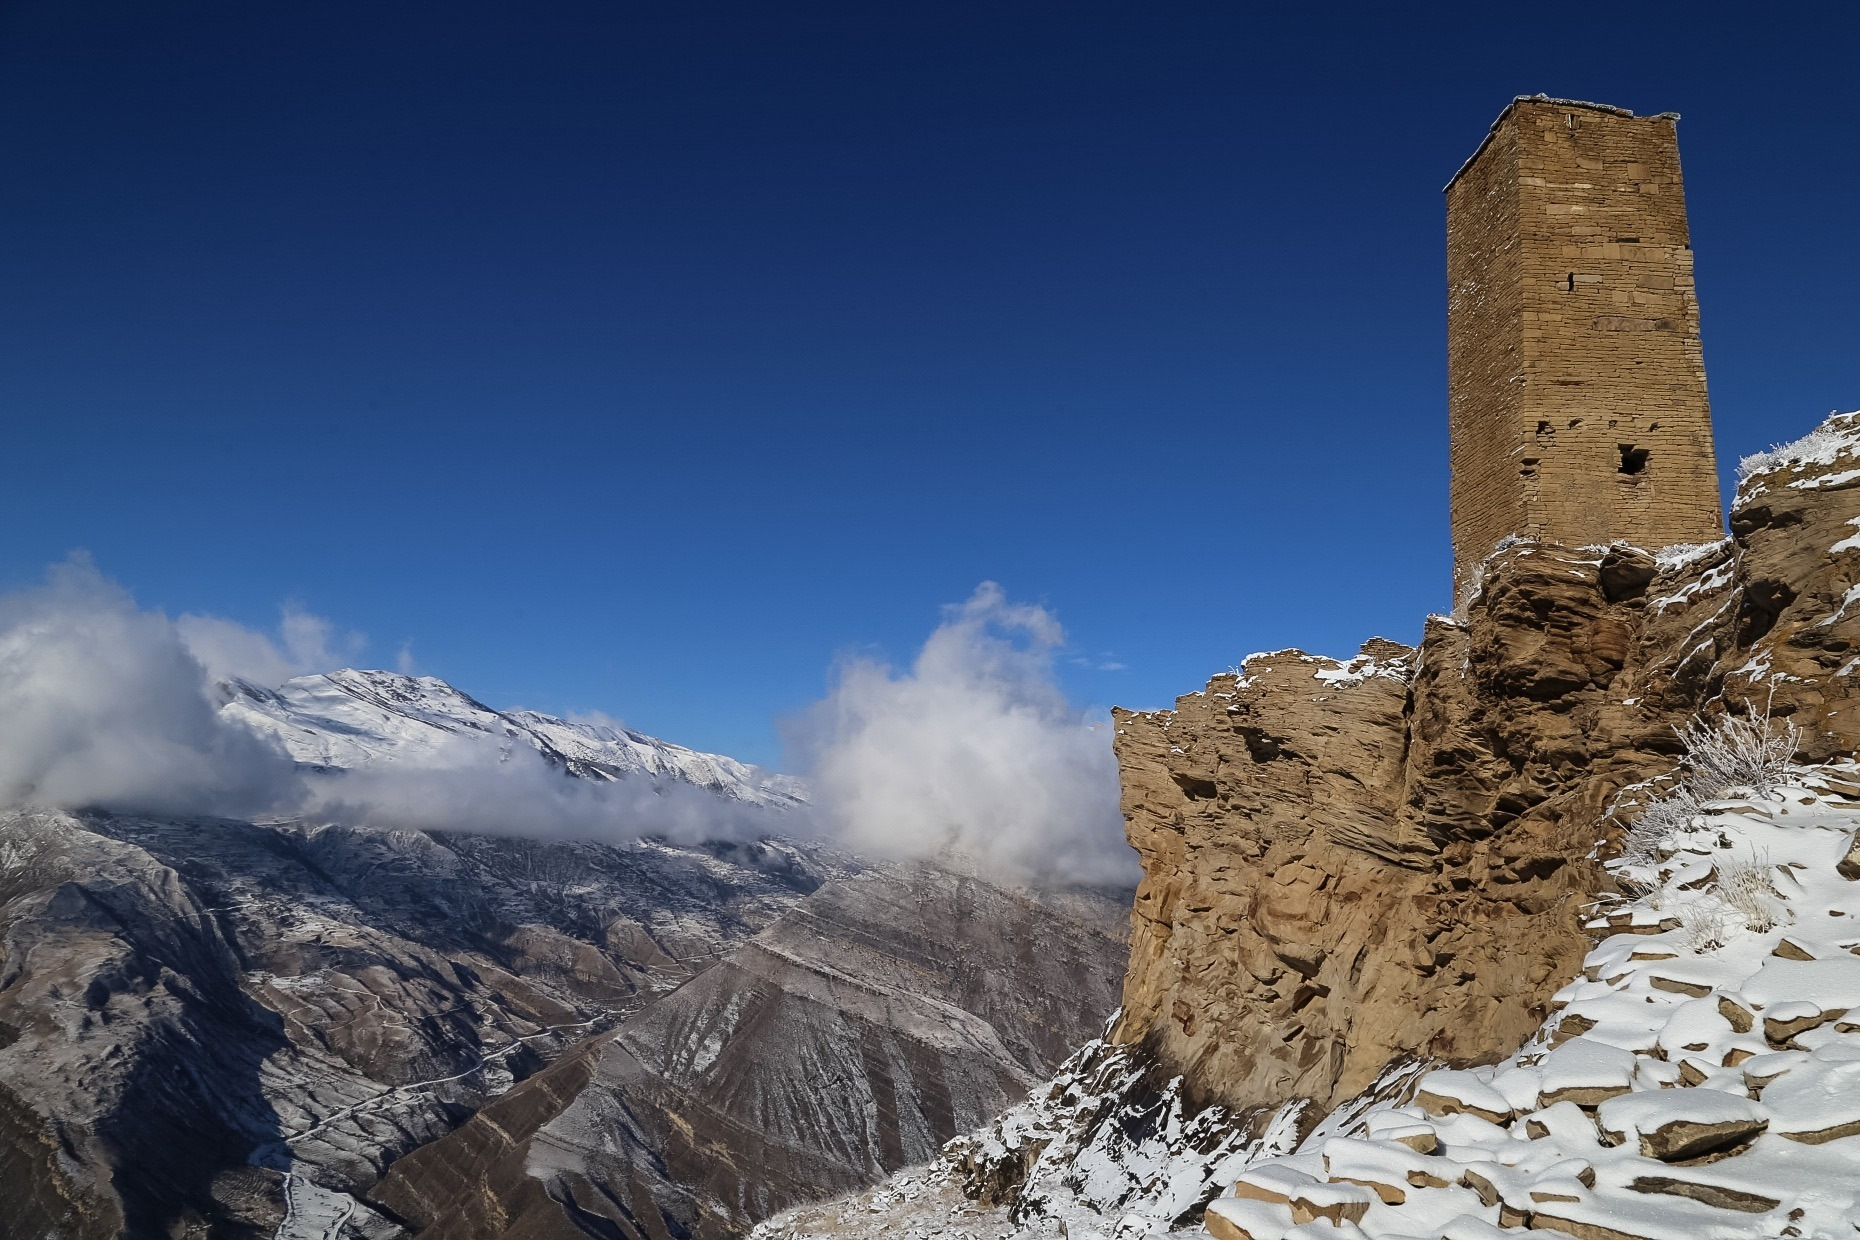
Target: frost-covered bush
(1824, 443)
(1721, 752)
(1708, 925)
(1657, 823)
(1738, 751)
(1750, 752)
(1747, 890)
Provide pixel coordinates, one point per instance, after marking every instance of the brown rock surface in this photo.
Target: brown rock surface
(1684, 1139)
(1349, 865)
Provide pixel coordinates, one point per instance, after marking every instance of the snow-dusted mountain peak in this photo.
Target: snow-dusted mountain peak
(355, 719)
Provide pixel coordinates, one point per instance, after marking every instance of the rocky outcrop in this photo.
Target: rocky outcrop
(1349, 865)
(1355, 871)
(1697, 1079)
(876, 1020)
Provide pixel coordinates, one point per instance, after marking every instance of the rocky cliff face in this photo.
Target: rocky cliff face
(1348, 865)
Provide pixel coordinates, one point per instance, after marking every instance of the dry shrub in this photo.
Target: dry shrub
(1746, 888)
(1738, 751)
(1823, 443)
(1658, 823)
(1721, 752)
(1708, 925)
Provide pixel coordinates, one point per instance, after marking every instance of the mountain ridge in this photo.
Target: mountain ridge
(356, 719)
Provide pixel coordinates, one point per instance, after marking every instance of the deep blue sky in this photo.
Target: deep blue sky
(646, 357)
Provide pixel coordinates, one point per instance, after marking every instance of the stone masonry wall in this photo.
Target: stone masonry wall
(1577, 395)
(1485, 344)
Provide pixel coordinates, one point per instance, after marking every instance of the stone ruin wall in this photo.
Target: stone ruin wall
(1577, 403)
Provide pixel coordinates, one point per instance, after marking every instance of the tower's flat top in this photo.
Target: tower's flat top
(1609, 108)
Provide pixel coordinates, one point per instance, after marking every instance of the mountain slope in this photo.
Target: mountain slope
(872, 1022)
(230, 1028)
(196, 1015)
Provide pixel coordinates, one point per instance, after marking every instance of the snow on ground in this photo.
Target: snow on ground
(1355, 671)
(1700, 1080)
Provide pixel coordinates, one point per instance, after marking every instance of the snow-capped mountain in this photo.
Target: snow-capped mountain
(350, 720)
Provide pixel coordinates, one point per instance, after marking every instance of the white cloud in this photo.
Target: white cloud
(596, 719)
(481, 783)
(305, 643)
(102, 704)
(974, 750)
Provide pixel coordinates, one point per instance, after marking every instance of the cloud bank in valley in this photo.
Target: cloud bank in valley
(972, 750)
(477, 783)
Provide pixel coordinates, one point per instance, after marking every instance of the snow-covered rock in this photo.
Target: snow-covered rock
(1695, 1082)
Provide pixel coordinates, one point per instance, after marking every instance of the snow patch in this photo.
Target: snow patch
(1362, 668)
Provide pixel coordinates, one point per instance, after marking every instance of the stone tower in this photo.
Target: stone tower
(1576, 383)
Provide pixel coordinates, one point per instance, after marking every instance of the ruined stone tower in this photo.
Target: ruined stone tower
(1576, 385)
